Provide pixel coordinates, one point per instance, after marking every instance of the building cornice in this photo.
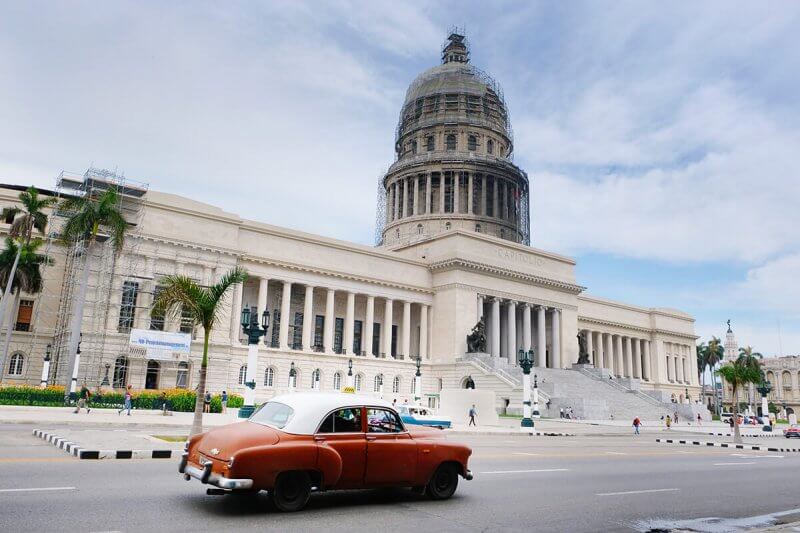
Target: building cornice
(629, 307)
(493, 270)
(491, 293)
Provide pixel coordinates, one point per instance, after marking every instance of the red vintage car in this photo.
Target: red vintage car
(297, 443)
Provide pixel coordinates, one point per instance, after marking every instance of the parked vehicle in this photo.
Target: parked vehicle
(792, 431)
(296, 443)
(422, 416)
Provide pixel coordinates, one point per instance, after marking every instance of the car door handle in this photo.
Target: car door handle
(371, 438)
(319, 439)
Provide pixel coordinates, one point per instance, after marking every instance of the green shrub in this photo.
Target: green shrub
(26, 395)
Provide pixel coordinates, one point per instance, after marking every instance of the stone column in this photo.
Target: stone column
(495, 318)
(349, 323)
(637, 358)
(601, 362)
(369, 321)
(526, 327)
(330, 319)
(308, 318)
(556, 335)
(495, 197)
(480, 308)
(396, 204)
(416, 196)
(442, 189)
(388, 203)
(405, 197)
(693, 363)
(423, 331)
(387, 327)
(541, 338)
(647, 374)
(236, 311)
(609, 353)
(263, 287)
(470, 193)
(628, 358)
(428, 194)
(456, 192)
(482, 210)
(286, 299)
(407, 329)
(668, 358)
(590, 347)
(618, 359)
(511, 330)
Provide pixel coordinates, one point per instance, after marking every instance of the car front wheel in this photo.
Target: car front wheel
(443, 483)
(291, 492)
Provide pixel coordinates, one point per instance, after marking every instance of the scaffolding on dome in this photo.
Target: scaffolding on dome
(380, 212)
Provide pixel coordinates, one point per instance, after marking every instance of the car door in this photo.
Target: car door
(343, 431)
(391, 452)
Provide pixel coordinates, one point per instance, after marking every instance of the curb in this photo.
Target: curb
(507, 433)
(744, 435)
(727, 445)
(75, 450)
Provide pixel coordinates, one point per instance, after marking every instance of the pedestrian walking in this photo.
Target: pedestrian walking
(207, 403)
(668, 421)
(83, 399)
(699, 420)
(394, 402)
(472, 414)
(224, 402)
(163, 400)
(126, 403)
(561, 412)
(636, 424)
(675, 418)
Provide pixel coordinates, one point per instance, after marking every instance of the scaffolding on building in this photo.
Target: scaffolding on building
(380, 212)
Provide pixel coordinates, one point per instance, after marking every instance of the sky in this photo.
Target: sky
(662, 141)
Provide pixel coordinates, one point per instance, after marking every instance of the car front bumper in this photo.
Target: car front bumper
(207, 477)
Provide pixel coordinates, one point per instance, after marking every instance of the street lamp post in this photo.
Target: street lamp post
(350, 383)
(418, 382)
(764, 389)
(536, 413)
(46, 366)
(526, 362)
(105, 382)
(251, 328)
(73, 384)
(292, 377)
(380, 385)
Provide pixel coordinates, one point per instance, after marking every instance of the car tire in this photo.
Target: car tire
(291, 491)
(443, 483)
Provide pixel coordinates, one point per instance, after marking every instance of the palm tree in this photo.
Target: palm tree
(714, 354)
(25, 261)
(33, 217)
(182, 296)
(744, 370)
(702, 363)
(87, 217)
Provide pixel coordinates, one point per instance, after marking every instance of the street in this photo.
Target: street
(588, 483)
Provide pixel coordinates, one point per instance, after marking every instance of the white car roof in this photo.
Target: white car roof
(311, 407)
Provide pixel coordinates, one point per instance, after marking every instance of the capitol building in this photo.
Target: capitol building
(453, 255)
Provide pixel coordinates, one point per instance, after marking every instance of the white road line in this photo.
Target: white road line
(731, 464)
(616, 453)
(635, 492)
(770, 456)
(525, 453)
(525, 471)
(37, 489)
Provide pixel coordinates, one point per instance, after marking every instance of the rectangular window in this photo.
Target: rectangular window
(448, 193)
(187, 324)
(319, 332)
(489, 195)
(376, 339)
(276, 329)
(297, 334)
(157, 319)
(394, 341)
(472, 143)
(358, 327)
(338, 331)
(429, 143)
(24, 315)
(127, 308)
(451, 102)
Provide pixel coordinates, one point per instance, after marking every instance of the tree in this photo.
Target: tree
(87, 217)
(25, 262)
(744, 370)
(26, 218)
(702, 363)
(182, 296)
(713, 355)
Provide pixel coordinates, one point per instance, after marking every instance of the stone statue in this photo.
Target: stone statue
(583, 355)
(476, 340)
(469, 383)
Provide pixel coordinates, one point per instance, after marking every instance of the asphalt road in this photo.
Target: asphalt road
(521, 483)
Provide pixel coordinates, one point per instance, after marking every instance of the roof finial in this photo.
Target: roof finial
(456, 49)
(729, 326)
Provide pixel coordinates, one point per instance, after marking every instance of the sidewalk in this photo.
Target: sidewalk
(44, 416)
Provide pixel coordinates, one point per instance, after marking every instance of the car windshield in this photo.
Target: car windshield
(273, 414)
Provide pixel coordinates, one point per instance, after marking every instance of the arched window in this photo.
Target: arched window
(316, 379)
(429, 144)
(477, 228)
(787, 380)
(450, 141)
(269, 377)
(120, 372)
(413, 147)
(359, 378)
(293, 380)
(472, 143)
(151, 378)
(490, 146)
(242, 374)
(376, 387)
(447, 225)
(15, 366)
(182, 380)
(337, 381)
(396, 384)
(419, 229)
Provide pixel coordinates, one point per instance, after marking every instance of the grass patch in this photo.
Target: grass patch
(715, 417)
(171, 438)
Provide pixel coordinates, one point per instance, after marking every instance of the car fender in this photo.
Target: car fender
(329, 464)
(262, 464)
(432, 453)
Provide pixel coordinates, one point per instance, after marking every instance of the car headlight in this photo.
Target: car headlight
(230, 462)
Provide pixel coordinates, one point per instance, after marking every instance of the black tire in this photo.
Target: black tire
(291, 492)
(443, 483)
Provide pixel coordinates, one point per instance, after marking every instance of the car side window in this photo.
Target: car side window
(342, 421)
(383, 421)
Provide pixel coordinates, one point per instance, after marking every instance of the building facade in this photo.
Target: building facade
(453, 252)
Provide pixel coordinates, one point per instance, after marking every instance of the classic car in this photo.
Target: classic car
(792, 431)
(297, 443)
(422, 416)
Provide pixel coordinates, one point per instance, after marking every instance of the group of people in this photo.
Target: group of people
(207, 402)
(566, 413)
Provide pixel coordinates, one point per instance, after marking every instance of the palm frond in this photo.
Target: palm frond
(117, 226)
(181, 295)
